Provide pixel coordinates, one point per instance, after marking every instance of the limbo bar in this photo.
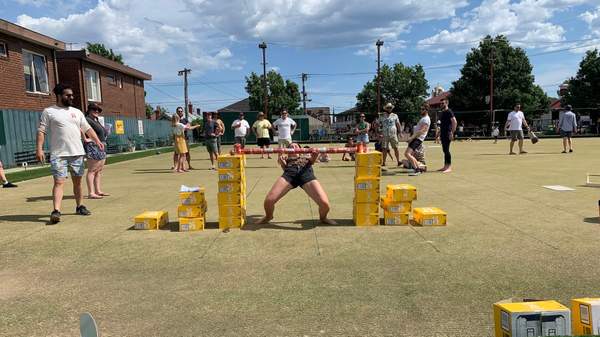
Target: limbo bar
(237, 149)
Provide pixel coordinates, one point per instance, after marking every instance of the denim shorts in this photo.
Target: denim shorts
(60, 166)
(363, 138)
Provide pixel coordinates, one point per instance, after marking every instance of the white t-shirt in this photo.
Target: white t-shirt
(242, 131)
(178, 129)
(284, 128)
(423, 121)
(495, 132)
(515, 119)
(65, 126)
(388, 125)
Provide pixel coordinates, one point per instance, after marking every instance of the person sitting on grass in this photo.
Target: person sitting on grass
(416, 140)
(349, 143)
(419, 155)
(297, 171)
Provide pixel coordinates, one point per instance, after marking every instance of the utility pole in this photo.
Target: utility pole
(263, 46)
(379, 43)
(492, 114)
(185, 73)
(304, 78)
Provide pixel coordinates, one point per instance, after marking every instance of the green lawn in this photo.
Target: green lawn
(507, 237)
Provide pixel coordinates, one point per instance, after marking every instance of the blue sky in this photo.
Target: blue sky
(325, 38)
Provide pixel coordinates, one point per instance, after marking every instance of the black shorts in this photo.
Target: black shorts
(298, 176)
(415, 144)
(566, 134)
(263, 141)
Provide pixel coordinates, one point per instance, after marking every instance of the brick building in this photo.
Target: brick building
(119, 89)
(28, 70)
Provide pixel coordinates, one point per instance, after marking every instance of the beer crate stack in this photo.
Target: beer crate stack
(397, 204)
(232, 191)
(192, 209)
(367, 180)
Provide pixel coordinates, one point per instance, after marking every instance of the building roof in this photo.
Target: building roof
(351, 111)
(23, 33)
(239, 106)
(555, 104)
(437, 100)
(103, 61)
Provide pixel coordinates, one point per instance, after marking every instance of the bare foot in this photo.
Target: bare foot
(264, 220)
(442, 169)
(94, 196)
(512, 153)
(104, 194)
(448, 170)
(328, 221)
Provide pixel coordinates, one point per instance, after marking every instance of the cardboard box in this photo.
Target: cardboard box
(231, 187)
(367, 183)
(193, 211)
(231, 211)
(586, 316)
(396, 219)
(429, 216)
(516, 318)
(374, 158)
(191, 224)
(231, 198)
(151, 220)
(365, 208)
(367, 219)
(232, 175)
(367, 171)
(396, 206)
(401, 192)
(366, 196)
(192, 198)
(230, 162)
(231, 222)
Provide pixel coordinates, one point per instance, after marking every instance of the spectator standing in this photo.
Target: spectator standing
(390, 125)
(240, 128)
(261, 129)
(220, 129)
(362, 130)
(461, 129)
(96, 158)
(567, 124)
(211, 130)
(438, 132)
(180, 143)
(65, 124)
(183, 121)
(447, 128)
(495, 133)
(514, 124)
(285, 127)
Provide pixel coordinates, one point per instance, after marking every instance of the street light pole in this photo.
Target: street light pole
(185, 73)
(492, 114)
(379, 43)
(304, 78)
(263, 46)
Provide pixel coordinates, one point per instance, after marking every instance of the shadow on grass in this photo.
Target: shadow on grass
(594, 220)
(305, 224)
(152, 171)
(590, 186)
(527, 154)
(48, 198)
(41, 218)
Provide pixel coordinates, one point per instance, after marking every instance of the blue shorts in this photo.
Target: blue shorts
(61, 166)
(364, 138)
(566, 134)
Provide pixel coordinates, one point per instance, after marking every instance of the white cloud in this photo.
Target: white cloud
(527, 23)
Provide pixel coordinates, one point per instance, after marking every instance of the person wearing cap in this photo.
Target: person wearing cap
(297, 172)
(96, 157)
(567, 124)
(240, 128)
(261, 128)
(390, 126)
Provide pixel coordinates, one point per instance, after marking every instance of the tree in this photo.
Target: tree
(584, 87)
(513, 79)
(403, 86)
(100, 49)
(149, 111)
(282, 94)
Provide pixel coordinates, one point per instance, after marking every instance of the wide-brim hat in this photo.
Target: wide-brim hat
(388, 107)
(94, 106)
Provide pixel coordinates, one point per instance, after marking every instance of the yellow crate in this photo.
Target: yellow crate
(361, 208)
(231, 198)
(396, 219)
(396, 206)
(586, 316)
(229, 162)
(401, 192)
(194, 211)
(231, 187)
(367, 183)
(515, 318)
(374, 158)
(192, 198)
(369, 196)
(191, 224)
(368, 219)
(151, 220)
(231, 222)
(367, 171)
(232, 175)
(429, 216)
(231, 210)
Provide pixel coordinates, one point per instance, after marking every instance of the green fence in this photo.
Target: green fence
(301, 134)
(18, 130)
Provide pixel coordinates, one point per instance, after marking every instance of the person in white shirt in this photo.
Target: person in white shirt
(567, 124)
(514, 124)
(285, 126)
(390, 125)
(65, 125)
(418, 137)
(240, 130)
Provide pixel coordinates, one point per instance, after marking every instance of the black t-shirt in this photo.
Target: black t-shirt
(184, 121)
(446, 122)
(98, 128)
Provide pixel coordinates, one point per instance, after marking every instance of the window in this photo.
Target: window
(3, 50)
(36, 74)
(112, 79)
(530, 332)
(551, 332)
(92, 85)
